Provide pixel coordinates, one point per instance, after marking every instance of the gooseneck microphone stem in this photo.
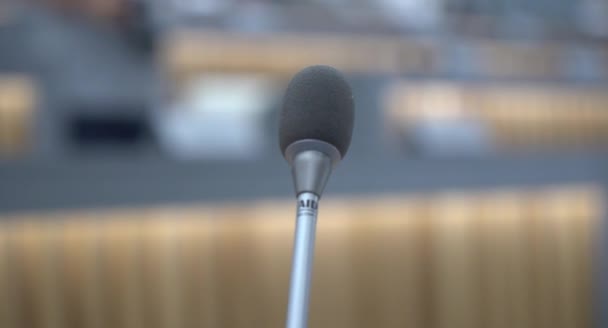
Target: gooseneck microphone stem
(311, 165)
(303, 254)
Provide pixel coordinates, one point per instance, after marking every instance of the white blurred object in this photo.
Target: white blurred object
(419, 14)
(220, 117)
(200, 7)
(442, 125)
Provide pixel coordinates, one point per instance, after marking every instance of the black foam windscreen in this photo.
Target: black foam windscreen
(318, 104)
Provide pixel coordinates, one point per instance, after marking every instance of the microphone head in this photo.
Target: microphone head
(319, 105)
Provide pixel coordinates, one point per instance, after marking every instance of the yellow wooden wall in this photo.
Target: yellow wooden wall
(17, 104)
(187, 52)
(524, 116)
(492, 259)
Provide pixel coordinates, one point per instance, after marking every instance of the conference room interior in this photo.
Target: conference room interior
(142, 184)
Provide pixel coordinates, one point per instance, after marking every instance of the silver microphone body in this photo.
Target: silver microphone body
(302, 262)
(311, 162)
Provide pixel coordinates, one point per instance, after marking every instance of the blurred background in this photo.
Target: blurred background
(141, 183)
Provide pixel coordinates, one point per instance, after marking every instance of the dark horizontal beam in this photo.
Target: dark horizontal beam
(114, 183)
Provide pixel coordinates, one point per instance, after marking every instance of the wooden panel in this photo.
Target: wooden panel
(391, 265)
(333, 297)
(504, 249)
(36, 274)
(497, 259)
(121, 279)
(79, 268)
(455, 261)
(161, 270)
(9, 298)
(272, 238)
(199, 274)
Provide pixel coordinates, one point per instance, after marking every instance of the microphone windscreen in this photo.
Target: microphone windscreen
(318, 104)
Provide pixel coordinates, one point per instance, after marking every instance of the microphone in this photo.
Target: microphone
(315, 131)
(316, 125)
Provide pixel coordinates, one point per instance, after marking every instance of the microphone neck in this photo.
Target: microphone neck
(310, 171)
(311, 164)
